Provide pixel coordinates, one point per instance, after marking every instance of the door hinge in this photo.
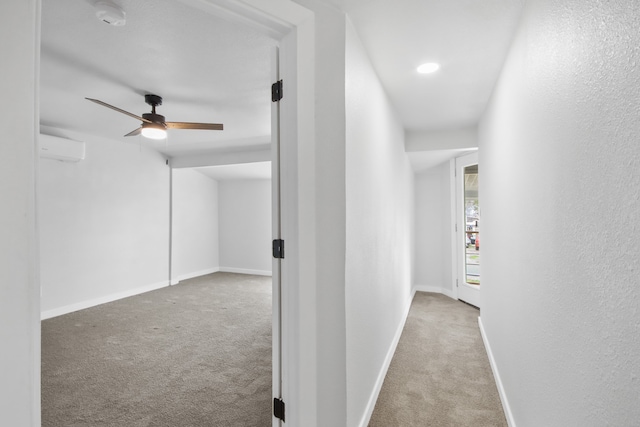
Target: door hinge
(456, 227)
(278, 408)
(456, 283)
(278, 248)
(276, 91)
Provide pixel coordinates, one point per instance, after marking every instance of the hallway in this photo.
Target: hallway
(440, 374)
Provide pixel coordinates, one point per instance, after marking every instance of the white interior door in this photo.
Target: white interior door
(276, 203)
(468, 225)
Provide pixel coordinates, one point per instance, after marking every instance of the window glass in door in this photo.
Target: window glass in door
(472, 225)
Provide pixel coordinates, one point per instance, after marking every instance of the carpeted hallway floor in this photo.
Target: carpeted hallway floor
(440, 374)
(199, 354)
(192, 355)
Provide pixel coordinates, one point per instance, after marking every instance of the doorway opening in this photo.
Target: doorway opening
(291, 25)
(138, 174)
(468, 219)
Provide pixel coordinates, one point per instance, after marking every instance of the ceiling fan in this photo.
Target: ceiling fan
(154, 125)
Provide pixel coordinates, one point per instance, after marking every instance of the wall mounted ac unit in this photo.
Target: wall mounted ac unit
(67, 150)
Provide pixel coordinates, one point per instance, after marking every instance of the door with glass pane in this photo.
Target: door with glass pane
(468, 225)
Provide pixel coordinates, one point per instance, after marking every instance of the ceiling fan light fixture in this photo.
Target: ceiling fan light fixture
(428, 68)
(153, 131)
(154, 126)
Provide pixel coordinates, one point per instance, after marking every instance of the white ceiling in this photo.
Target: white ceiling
(211, 70)
(206, 69)
(468, 38)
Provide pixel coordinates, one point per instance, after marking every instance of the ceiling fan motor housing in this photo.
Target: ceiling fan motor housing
(155, 118)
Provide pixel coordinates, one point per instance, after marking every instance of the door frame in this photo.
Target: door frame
(276, 232)
(463, 291)
(293, 26)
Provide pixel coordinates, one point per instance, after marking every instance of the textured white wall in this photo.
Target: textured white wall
(194, 244)
(433, 230)
(561, 208)
(245, 226)
(19, 308)
(104, 223)
(379, 185)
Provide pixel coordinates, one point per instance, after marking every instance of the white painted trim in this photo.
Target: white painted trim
(434, 289)
(299, 334)
(178, 279)
(503, 395)
(269, 24)
(48, 314)
(101, 300)
(245, 271)
(373, 398)
(454, 234)
(172, 281)
(276, 230)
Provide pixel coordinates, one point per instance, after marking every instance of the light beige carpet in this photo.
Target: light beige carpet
(440, 374)
(193, 355)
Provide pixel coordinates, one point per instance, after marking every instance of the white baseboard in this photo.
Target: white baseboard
(54, 312)
(366, 417)
(434, 289)
(48, 314)
(246, 271)
(496, 374)
(180, 278)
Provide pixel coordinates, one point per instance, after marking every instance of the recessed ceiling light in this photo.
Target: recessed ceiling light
(429, 67)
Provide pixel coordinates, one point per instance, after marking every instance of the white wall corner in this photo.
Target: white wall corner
(245, 271)
(59, 311)
(434, 289)
(366, 416)
(494, 368)
(191, 275)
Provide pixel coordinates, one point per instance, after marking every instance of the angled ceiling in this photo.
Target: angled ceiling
(211, 70)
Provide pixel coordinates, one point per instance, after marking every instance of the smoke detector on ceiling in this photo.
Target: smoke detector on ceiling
(111, 13)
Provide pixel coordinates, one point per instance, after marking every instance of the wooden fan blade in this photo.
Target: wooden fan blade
(135, 132)
(186, 125)
(119, 110)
